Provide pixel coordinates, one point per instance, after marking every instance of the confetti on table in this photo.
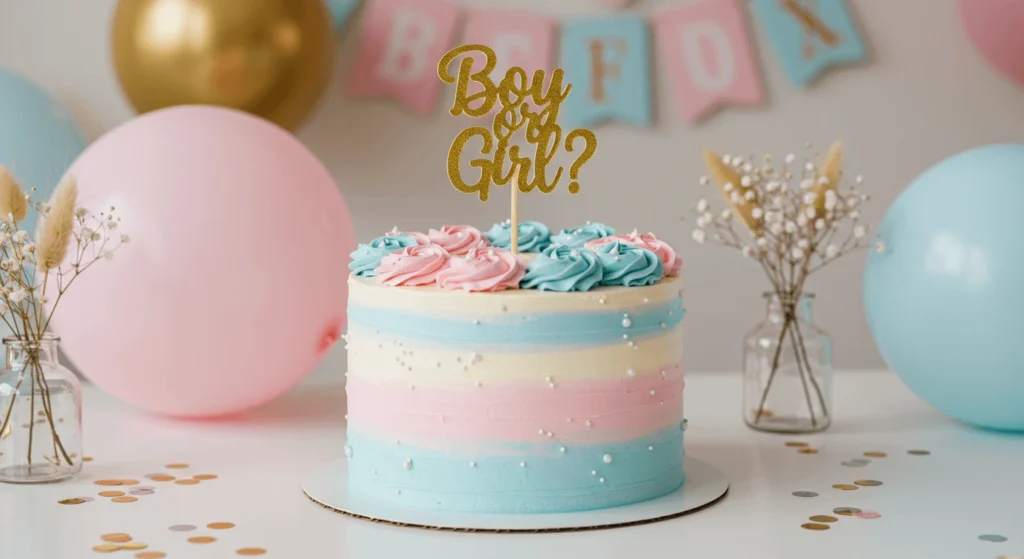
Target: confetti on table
(994, 538)
(106, 548)
(857, 462)
(204, 477)
(823, 518)
(182, 528)
(162, 477)
(796, 444)
(814, 526)
(141, 491)
(150, 555)
(108, 482)
(124, 499)
(202, 539)
(111, 493)
(134, 546)
(804, 494)
(176, 466)
(116, 537)
(187, 482)
(129, 481)
(918, 452)
(845, 487)
(868, 515)
(251, 551)
(875, 454)
(808, 450)
(868, 482)
(87, 459)
(220, 525)
(846, 511)
(74, 501)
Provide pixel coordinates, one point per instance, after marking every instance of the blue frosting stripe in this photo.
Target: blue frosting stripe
(553, 329)
(550, 481)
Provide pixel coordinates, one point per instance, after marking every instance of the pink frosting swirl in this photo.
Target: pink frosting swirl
(669, 258)
(418, 265)
(420, 238)
(483, 269)
(457, 239)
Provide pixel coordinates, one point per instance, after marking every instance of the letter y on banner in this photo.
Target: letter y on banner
(810, 36)
(398, 52)
(707, 51)
(607, 62)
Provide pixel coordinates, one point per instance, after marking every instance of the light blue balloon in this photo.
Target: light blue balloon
(945, 296)
(38, 139)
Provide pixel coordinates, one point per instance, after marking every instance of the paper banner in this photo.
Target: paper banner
(707, 52)
(398, 52)
(607, 62)
(810, 36)
(340, 11)
(519, 39)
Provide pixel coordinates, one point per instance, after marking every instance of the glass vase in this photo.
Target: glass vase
(40, 414)
(787, 369)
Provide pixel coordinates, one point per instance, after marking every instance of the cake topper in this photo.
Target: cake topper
(510, 95)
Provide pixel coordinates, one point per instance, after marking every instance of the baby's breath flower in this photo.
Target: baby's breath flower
(790, 158)
(727, 213)
(748, 251)
(702, 205)
(125, 238)
(699, 235)
(18, 295)
(859, 231)
(831, 251)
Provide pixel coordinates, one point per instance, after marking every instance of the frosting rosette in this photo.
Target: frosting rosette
(457, 239)
(483, 269)
(578, 237)
(366, 258)
(562, 268)
(669, 258)
(420, 238)
(417, 265)
(533, 236)
(628, 265)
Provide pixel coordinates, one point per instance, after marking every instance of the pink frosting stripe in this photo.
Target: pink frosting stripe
(418, 265)
(669, 258)
(504, 413)
(483, 269)
(457, 239)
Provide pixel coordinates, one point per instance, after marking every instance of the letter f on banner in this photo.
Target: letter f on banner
(606, 60)
(810, 36)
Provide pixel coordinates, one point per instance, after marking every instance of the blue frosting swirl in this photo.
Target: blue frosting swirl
(579, 236)
(628, 265)
(533, 236)
(562, 268)
(367, 257)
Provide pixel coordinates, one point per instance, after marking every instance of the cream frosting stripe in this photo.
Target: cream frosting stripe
(431, 300)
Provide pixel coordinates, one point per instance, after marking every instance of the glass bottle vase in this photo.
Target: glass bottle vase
(787, 369)
(40, 414)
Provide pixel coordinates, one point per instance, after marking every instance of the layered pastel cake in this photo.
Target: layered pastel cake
(491, 382)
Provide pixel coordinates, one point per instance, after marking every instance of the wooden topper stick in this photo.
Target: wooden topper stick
(514, 218)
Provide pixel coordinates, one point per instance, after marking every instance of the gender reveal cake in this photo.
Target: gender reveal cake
(481, 380)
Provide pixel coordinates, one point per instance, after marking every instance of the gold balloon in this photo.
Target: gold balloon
(271, 58)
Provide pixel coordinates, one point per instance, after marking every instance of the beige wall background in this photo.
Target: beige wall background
(924, 94)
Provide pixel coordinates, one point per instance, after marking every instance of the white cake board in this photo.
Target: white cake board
(704, 486)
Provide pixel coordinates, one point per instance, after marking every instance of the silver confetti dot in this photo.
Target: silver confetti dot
(607, 458)
(407, 464)
(626, 323)
(522, 464)
(472, 464)
(804, 494)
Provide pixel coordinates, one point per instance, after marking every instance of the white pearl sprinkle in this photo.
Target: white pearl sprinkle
(346, 416)
(589, 424)
(476, 322)
(477, 384)
(522, 464)
(398, 491)
(664, 374)
(652, 393)
(593, 472)
(607, 458)
(472, 464)
(631, 344)
(548, 378)
(646, 300)
(540, 431)
(626, 323)
(550, 434)
(662, 324)
(561, 449)
(551, 385)
(601, 480)
(348, 451)
(631, 372)
(650, 448)
(661, 403)
(407, 464)
(601, 300)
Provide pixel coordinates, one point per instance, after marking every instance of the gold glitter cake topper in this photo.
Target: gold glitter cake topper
(542, 129)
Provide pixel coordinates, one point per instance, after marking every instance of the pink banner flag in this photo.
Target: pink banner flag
(398, 52)
(706, 46)
(518, 39)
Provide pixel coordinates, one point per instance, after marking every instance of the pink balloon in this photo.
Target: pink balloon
(995, 28)
(233, 286)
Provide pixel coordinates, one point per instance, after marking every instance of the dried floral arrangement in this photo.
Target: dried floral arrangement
(35, 273)
(793, 218)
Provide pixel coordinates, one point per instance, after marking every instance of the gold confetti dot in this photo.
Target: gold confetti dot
(808, 450)
(846, 511)
(202, 539)
(845, 487)
(150, 555)
(87, 459)
(868, 482)
(116, 537)
(251, 551)
(109, 482)
(124, 499)
(220, 525)
(187, 482)
(918, 452)
(131, 546)
(106, 548)
(814, 526)
(162, 478)
(796, 444)
(204, 477)
(111, 493)
(74, 501)
(176, 466)
(875, 454)
(823, 518)
(129, 481)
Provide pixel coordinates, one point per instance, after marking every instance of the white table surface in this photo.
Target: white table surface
(932, 506)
